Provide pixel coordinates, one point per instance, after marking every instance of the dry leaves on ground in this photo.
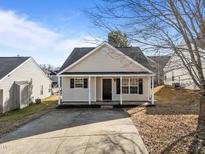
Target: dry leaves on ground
(170, 126)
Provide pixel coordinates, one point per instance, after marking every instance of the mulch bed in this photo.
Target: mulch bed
(164, 133)
(171, 126)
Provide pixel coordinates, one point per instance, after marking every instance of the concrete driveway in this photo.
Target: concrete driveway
(76, 131)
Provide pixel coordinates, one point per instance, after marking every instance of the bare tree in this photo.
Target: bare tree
(161, 25)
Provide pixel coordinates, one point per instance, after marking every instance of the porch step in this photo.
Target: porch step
(106, 106)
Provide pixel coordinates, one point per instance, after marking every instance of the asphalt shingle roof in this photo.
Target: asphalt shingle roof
(7, 64)
(133, 52)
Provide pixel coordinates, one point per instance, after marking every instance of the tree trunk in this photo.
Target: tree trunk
(198, 142)
(201, 121)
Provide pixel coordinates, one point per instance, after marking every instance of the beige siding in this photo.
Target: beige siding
(77, 94)
(30, 71)
(82, 94)
(105, 60)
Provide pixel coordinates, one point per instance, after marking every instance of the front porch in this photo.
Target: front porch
(106, 103)
(106, 89)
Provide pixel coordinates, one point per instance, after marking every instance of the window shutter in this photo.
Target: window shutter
(140, 86)
(118, 86)
(85, 83)
(71, 83)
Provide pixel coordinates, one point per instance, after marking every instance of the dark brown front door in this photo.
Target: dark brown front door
(107, 89)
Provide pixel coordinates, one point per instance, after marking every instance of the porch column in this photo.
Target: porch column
(59, 91)
(149, 87)
(95, 89)
(120, 90)
(152, 90)
(89, 89)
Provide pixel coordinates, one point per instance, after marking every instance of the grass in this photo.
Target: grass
(170, 126)
(13, 119)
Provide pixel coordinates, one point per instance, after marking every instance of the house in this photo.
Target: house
(54, 79)
(53, 76)
(106, 75)
(175, 74)
(158, 63)
(51, 73)
(21, 83)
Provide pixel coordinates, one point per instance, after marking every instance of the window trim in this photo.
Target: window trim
(129, 85)
(135, 85)
(81, 83)
(49, 88)
(126, 85)
(41, 90)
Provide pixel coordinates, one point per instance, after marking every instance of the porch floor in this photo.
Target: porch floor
(105, 103)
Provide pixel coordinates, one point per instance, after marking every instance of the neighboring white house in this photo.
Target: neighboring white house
(158, 63)
(21, 82)
(176, 73)
(106, 75)
(53, 76)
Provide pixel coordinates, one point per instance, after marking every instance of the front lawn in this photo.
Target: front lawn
(170, 126)
(13, 119)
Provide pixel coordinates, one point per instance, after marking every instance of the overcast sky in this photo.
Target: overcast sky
(47, 30)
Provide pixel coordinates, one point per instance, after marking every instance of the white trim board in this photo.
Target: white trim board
(94, 50)
(108, 75)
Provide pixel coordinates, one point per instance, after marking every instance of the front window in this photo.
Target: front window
(125, 86)
(130, 86)
(172, 78)
(133, 86)
(79, 82)
(49, 88)
(41, 90)
(172, 75)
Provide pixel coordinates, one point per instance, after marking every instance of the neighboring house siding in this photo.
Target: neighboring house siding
(158, 63)
(1, 100)
(175, 72)
(105, 60)
(54, 78)
(27, 72)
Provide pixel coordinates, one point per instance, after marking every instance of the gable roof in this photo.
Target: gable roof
(8, 64)
(132, 52)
